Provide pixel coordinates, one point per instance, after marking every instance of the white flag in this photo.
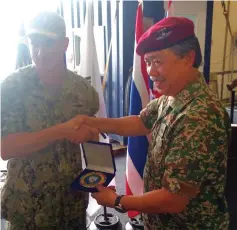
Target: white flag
(89, 67)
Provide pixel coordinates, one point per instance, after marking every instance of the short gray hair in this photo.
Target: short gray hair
(183, 48)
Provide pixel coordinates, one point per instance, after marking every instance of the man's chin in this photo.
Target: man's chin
(164, 92)
(45, 67)
(38, 65)
(160, 90)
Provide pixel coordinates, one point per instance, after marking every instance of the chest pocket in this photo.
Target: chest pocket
(159, 135)
(73, 104)
(37, 113)
(159, 144)
(156, 157)
(41, 113)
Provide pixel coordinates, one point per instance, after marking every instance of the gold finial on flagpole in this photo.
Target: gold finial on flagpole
(140, 2)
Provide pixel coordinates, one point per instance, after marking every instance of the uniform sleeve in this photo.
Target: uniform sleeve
(149, 114)
(194, 155)
(12, 110)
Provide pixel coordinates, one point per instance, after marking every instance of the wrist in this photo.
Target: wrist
(86, 120)
(118, 206)
(59, 132)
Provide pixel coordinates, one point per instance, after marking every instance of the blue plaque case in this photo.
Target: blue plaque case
(100, 167)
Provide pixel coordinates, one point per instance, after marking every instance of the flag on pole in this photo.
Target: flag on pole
(139, 97)
(170, 9)
(89, 67)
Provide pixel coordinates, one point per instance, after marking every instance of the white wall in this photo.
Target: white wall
(196, 11)
(218, 38)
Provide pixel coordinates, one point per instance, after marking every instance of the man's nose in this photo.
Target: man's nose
(152, 71)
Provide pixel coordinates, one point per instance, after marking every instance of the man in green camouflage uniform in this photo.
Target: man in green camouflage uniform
(185, 171)
(188, 155)
(39, 136)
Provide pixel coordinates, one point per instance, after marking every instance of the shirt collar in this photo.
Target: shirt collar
(187, 94)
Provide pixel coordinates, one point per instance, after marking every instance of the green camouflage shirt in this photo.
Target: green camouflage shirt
(36, 194)
(188, 155)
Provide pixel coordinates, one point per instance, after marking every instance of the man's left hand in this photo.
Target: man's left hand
(105, 196)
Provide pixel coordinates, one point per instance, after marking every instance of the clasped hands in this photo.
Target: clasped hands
(76, 130)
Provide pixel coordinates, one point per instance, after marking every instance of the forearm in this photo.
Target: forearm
(157, 201)
(22, 144)
(124, 126)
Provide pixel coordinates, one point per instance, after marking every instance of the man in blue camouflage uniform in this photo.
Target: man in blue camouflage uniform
(39, 135)
(185, 172)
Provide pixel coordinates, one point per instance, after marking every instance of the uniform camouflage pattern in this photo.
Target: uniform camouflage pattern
(36, 194)
(188, 155)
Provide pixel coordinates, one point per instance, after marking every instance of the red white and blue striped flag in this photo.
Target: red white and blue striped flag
(139, 97)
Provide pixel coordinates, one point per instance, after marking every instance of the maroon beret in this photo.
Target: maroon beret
(164, 34)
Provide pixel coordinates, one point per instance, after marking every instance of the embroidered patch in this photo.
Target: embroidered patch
(92, 179)
(163, 33)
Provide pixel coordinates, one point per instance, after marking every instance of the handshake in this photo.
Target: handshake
(83, 128)
(77, 131)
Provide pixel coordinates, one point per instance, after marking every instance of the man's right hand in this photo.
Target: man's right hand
(75, 131)
(77, 121)
(83, 134)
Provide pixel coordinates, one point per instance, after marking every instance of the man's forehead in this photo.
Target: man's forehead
(38, 38)
(156, 54)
